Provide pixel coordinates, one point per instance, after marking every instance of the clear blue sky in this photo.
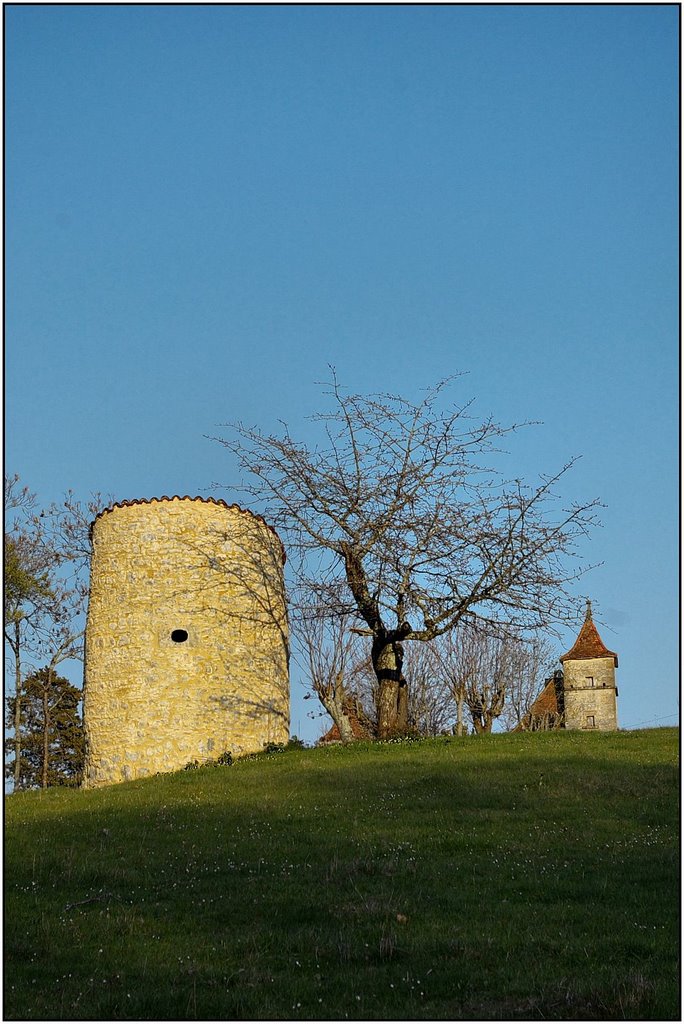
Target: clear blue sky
(208, 205)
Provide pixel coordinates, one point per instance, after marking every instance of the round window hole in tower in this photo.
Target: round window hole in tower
(179, 636)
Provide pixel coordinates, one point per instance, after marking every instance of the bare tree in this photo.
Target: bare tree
(494, 677)
(532, 664)
(423, 532)
(66, 526)
(456, 657)
(47, 561)
(431, 705)
(477, 666)
(29, 566)
(490, 679)
(330, 651)
(69, 523)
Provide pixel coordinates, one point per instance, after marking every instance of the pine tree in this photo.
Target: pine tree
(52, 737)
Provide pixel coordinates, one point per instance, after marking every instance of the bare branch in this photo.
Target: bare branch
(420, 530)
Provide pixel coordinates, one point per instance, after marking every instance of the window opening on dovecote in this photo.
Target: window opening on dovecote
(591, 722)
(179, 636)
(591, 681)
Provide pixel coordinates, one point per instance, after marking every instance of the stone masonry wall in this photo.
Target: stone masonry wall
(186, 638)
(582, 699)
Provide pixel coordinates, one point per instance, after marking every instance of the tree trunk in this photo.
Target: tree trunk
(46, 741)
(46, 731)
(17, 706)
(334, 705)
(392, 699)
(483, 723)
(344, 725)
(459, 711)
(403, 708)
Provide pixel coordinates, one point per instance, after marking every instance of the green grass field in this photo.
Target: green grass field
(529, 876)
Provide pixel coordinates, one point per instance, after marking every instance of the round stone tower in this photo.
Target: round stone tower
(186, 637)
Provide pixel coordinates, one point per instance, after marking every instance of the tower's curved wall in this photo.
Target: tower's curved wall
(186, 637)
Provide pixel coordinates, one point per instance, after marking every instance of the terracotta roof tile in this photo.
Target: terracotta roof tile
(588, 644)
(547, 701)
(546, 706)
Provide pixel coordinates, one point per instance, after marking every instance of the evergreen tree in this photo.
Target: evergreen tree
(52, 737)
(47, 559)
(29, 564)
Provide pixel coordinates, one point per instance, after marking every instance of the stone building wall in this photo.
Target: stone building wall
(589, 692)
(186, 638)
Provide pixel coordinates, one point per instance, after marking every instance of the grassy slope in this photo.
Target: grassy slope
(517, 876)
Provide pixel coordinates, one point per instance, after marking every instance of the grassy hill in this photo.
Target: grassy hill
(518, 876)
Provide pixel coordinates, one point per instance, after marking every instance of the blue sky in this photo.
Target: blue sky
(208, 205)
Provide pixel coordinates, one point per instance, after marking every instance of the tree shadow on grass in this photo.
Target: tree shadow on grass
(405, 880)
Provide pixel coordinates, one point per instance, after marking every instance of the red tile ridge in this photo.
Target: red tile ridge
(588, 644)
(547, 701)
(545, 704)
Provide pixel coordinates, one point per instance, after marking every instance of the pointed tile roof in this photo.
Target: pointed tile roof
(547, 705)
(588, 644)
(547, 701)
